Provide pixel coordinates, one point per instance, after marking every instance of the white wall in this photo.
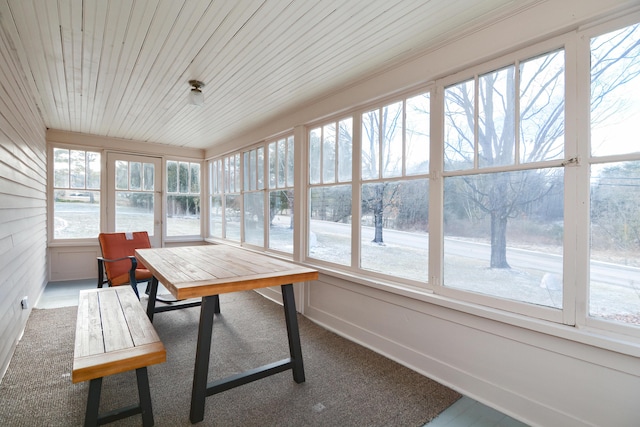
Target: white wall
(533, 376)
(23, 209)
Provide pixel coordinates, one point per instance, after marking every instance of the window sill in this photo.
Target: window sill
(500, 322)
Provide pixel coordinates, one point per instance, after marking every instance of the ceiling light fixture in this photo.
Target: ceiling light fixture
(195, 95)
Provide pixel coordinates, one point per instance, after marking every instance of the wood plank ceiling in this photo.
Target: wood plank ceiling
(120, 68)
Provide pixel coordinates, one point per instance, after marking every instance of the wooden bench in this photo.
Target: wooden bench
(114, 335)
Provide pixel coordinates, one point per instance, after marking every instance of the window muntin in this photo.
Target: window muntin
(614, 268)
(281, 194)
(183, 198)
(330, 193)
(395, 213)
(498, 201)
(76, 193)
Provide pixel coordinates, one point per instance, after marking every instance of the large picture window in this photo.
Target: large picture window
(394, 195)
(504, 182)
(330, 159)
(76, 194)
(496, 186)
(614, 286)
(183, 198)
(281, 194)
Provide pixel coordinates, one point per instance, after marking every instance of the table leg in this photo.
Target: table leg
(293, 333)
(151, 303)
(203, 351)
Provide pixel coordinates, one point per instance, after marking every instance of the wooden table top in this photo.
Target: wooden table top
(197, 271)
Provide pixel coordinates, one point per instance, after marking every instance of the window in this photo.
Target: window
(281, 194)
(614, 287)
(76, 194)
(394, 196)
(183, 199)
(504, 182)
(529, 199)
(330, 154)
(253, 196)
(225, 210)
(216, 209)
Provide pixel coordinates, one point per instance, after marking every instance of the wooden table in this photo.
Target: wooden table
(209, 270)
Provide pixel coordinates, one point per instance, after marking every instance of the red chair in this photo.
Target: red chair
(118, 261)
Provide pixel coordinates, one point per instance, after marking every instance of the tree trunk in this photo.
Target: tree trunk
(499, 240)
(378, 211)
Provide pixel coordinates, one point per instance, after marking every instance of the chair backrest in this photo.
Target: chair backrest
(120, 245)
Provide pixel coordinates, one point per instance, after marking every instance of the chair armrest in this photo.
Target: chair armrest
(132, 271)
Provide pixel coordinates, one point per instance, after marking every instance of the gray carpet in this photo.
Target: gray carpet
(346, 384)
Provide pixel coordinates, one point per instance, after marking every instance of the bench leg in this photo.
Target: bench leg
(93, 403)
(145, 397)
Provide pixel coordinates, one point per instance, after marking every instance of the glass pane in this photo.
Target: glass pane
(345, 150)
(61, 168)
(459, 140)
(615, 92)
(290, 162)
(542, 108)
(247, 171)
(135, 169)
(281, 220)
(93, 170)
(183, 177)
(254, 218)
(183, 215)
(330, 224)
(417, 135)
(78, 164)
(149, 176)
(232, 215)
(394, 225)
(253, 171)
(329, 153)
(282, 163)
(391, 150)
(122, 175)
(260, 166)
(215, 217)
(227, 175)
(195, 178)
(503, 235)
(76, 214)
(134, 211)
(273, 163)
(370, 144)
(496, 118)
(172, 177)
(615, 242)
(236, 174)
(314, 156)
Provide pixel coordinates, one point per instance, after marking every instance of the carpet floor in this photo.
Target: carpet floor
(346, 384)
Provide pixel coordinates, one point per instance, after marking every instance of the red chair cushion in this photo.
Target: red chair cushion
(116, 245)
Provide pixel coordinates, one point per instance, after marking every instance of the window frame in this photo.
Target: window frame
(51, 188)
(573, 317)
(565, 315)
(166, 194)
